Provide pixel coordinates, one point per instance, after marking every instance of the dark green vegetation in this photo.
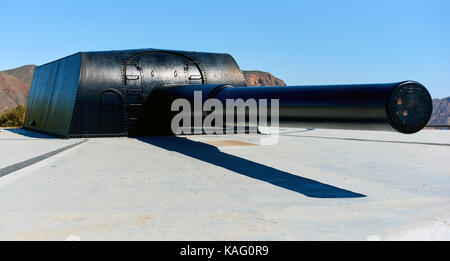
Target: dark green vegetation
(13, 117)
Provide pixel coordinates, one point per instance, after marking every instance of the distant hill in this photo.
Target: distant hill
(259, 78)
(24, 73)
(441, 112)
(15, 86)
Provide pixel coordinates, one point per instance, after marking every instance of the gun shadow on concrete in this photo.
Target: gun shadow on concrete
(211, 154)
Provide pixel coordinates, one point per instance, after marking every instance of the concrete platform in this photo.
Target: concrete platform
(311, 185)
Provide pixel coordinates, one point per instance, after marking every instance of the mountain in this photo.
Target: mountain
(259, 78)
(24, 73)
(15, 86)
(441, 112)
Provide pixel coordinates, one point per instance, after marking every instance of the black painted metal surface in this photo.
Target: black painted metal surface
(52, 96)
(405, 107)
(102, 93)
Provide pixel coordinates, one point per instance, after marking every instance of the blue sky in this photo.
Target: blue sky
(302, 42)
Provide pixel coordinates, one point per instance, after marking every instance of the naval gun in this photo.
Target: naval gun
(131, 93)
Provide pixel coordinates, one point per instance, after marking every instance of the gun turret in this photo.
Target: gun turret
(120, 93)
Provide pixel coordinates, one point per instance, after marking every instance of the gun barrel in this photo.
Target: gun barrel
(404, 107)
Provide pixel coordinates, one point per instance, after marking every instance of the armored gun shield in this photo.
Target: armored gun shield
(102, 93)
